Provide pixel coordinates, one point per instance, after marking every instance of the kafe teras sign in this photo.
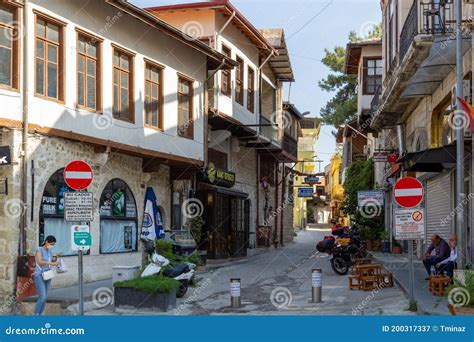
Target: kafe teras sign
(78, 206)
(409, 224)
(217, 177)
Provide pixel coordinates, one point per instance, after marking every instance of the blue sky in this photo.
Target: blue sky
(310, 27)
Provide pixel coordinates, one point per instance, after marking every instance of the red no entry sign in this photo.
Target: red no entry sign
(78, 175)
(408, 192)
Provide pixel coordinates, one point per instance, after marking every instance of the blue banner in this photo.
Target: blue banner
(237, 328)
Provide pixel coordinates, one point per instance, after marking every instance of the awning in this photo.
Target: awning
(433, 159)
(434, 69)
(221, 190)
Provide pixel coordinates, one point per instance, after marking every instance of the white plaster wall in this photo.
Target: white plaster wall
(138, 38)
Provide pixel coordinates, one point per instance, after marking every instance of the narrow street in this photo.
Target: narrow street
(279, 283)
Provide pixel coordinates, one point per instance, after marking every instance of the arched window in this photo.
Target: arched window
(52, 214)
(118, 218)
(161, 215)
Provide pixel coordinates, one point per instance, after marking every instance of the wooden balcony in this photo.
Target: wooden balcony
(290, 146)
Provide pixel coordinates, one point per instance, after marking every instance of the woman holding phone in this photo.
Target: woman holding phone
(44, 261)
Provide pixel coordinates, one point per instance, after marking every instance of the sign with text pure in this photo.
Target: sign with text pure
(80, 238)
(78, 206)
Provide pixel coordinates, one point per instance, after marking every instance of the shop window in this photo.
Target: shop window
(161, 215)
(52, 214)
(118, 218)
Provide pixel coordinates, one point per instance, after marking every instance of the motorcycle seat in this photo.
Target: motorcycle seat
(176, 270)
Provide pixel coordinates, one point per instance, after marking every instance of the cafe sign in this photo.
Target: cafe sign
(216, 176)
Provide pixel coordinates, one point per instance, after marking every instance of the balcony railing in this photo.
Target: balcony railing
(426, 17)
(290, 145)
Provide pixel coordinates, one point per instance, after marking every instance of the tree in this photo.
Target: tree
(343, 106)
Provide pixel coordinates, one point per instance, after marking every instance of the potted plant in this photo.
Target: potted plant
(195, 227)
(154, 292)
(396, 248)
(461, 294)
(385, 237)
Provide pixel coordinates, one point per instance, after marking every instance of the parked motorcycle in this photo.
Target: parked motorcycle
(182, 272)
(343, 250)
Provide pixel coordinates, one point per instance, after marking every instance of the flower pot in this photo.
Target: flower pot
(128, 297)
(203, 255)
(460, 310)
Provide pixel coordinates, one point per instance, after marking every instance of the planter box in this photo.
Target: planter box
(127, 297)
(460, 311)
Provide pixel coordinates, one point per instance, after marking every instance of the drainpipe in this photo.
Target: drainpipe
(24, 137)
(401, 140)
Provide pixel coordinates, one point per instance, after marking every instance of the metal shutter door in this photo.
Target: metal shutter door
(439, 201)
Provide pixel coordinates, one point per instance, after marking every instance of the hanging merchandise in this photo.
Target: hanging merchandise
(119, 203)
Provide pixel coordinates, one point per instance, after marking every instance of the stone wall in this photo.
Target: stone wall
(50, 154)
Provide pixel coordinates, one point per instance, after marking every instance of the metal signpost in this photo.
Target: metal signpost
(235, 300)
(78, 207)
(316, 280)
(408, 193)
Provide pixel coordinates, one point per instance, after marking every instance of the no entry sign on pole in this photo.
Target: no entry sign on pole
(78, 175)
(408, 192)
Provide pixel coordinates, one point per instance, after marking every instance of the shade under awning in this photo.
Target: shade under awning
(433, 159)
(434, 69)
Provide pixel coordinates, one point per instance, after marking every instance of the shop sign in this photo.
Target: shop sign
(410, 224)
(5, 156)
(216, 176)
(370, 198)
(78, 206)
(80, 238)
(311, 180)
(305, 192)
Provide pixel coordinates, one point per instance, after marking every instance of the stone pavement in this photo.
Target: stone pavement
(427, 303)
(279, 283)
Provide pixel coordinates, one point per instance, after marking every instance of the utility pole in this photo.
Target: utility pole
(459, 117)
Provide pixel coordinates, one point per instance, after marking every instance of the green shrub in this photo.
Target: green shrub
(151, 284)
(165, 248)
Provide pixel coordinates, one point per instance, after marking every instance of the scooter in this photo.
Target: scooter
(183, 272)
(343, 255)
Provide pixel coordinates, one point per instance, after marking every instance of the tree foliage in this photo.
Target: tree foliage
(342, 107)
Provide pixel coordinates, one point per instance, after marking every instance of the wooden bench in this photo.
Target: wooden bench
(385, 279)
(368, 283)
(438, 284)
(362, 261)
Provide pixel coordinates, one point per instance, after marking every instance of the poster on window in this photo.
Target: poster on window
(48, 205)
(118, 206)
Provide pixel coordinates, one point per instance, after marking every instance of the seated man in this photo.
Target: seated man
(442, 252)
(449, 264)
